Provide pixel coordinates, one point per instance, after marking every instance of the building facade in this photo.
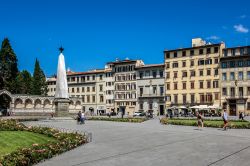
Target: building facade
(88, 86)
(150, 89)
(235, 80)
(124, 75)
(192, 74)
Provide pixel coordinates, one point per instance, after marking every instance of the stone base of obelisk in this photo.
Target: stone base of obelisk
(62, 107)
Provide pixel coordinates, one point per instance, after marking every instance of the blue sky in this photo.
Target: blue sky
(96, 31)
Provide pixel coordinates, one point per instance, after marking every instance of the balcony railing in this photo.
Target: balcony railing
(151, 95)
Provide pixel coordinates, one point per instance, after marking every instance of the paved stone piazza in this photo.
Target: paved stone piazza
(150, 143)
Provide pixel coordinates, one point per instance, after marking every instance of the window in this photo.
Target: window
(201, 72)
(167, 75)
(216, 49)
(240, 63)
(215, 84)
(93, 77)
(73, 90)
(192, 98)
(216, 72)
(232, 92)
(175, 65)
(208, 50)
(208, 72)
(191, 63)
(175, 54)
(184, 85)
(208, 61)
(201, 62)
(167, 55)
(101, 98)
(248, 75)
(248, 105)
(224, 65)
(88, 89)
(141, 91)
(83, 89)
(78, 90)
(168, 86)
(167, 65)
(183, 63)
(231, 64)
(224, 91)
(93, 89)
(184, 74)
(192, 73)
(208, 84)
(100, 77)
(192, 85)
(175, 74)
(241, 93)
(200, 51)
(184, 98)
(175, 86)
(141, 75)
(240, 75)
(202, 98)
(161, 90)
(161, 73)
(154, 74)
(216, 96)
(248, 91)
(93, 99)
(154, 90)
(248, 62)
(100, 88)
(141, 106)
(150, 106)
(232, 76)
(216, 61)
(88, 78)
(183, 53)
(88, 98)
(224, 76)
(83, 98)
(191, 52)
(201, 84)
(175, 99)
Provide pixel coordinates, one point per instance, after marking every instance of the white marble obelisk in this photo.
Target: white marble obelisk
(61, 80)
(61, 95)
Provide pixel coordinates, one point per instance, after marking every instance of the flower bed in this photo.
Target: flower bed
(36, 153)
(237, 124)
(132, 120)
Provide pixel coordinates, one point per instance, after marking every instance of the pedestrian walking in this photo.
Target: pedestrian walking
(225, 119)
(199, 120)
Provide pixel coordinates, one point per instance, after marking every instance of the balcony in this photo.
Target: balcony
(151, 95)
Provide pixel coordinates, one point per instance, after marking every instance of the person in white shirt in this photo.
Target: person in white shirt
(225, 119)
(83, 117)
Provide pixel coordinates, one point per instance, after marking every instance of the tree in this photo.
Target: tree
(39, 86)
(8, 66)
(24, 82)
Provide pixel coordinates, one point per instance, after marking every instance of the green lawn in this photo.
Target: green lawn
(207, 123)
(12, 140)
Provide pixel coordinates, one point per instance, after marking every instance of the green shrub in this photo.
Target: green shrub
(36, 153)
(132, 120)
(237, 124)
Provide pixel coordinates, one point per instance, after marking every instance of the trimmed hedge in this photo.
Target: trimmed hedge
(236, 124)
(132, 120)
(37, 153)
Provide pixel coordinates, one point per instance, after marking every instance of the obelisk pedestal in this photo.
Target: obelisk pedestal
(61, 96)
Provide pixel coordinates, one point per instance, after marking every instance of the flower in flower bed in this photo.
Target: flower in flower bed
(36, 153)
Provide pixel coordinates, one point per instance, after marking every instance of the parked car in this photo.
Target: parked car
(139, 114)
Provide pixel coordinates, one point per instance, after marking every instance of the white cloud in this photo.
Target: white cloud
(213, 37)
(243, 16)
(240, 28)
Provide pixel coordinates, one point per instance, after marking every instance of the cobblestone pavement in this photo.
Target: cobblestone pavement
(150, 143)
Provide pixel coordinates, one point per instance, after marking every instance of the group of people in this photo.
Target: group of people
(80, 117)
(200, 120)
